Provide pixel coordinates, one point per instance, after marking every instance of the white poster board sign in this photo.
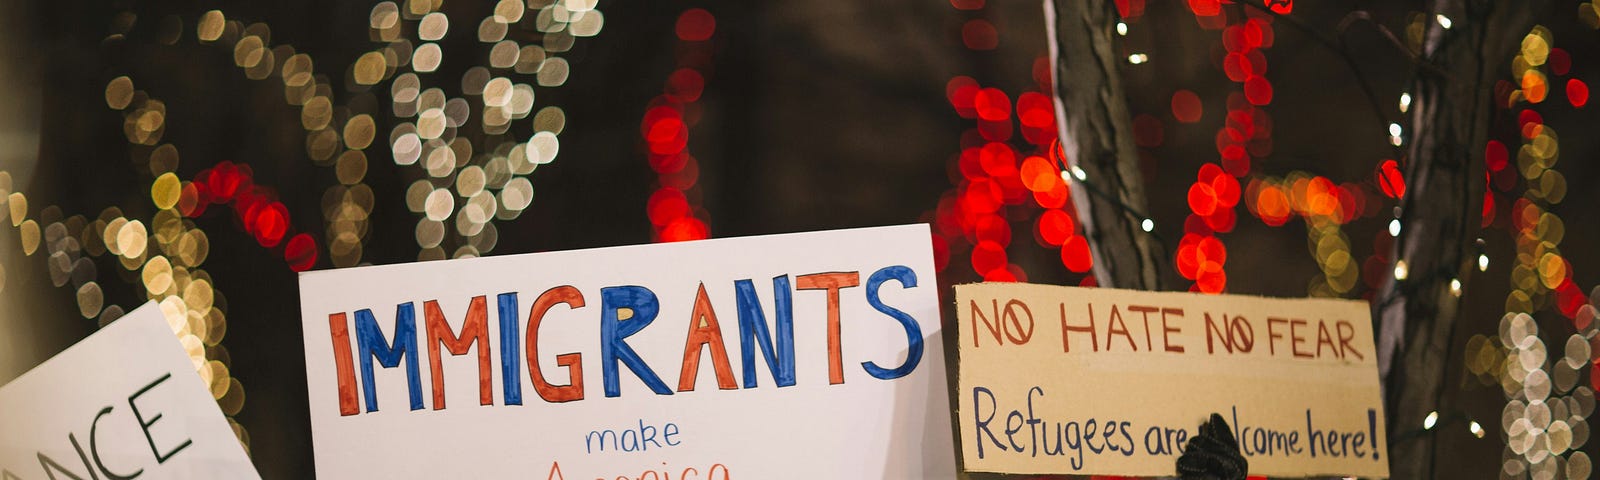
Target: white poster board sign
(125, 402)
(799, 356)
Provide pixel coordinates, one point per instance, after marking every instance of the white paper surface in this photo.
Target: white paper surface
(126, 401)
(865, 427)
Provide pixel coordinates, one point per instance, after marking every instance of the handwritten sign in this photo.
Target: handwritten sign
(125, 402)
(813, 355)
(1104, 381)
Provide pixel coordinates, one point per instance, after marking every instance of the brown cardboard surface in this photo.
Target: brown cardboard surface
(1040, 392)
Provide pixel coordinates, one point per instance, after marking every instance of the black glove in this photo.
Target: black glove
(1213, 454)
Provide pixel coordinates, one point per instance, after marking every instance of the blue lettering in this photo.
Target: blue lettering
(369, 339)
(615, 331)
(753, 331)
(908, 279)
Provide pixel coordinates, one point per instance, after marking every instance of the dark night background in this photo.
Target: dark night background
(815, 115)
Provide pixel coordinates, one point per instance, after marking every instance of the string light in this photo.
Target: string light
(1483, 262)
(1138, 58)
(1394, 227)
(1475, 428)
(1122, 28)
(1455, 287)
(1400, 270)
(1405, 102)
(1148, 225)
(1444, 21)
(1430, 421)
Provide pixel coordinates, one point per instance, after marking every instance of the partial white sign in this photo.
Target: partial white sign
(125, 402)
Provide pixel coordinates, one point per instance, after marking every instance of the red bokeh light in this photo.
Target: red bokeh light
(686, 84)
(667, 204)
(1205, 8)
(271, 221)
(696, 24)
(224, 180)
(684, 228)
(998, 160)
(1226, 189)
(1038, 174)
(1056, 197)
(1075, 254)
(1559, 61)
(1390, 180)
(1004, 274)
(992, 105)
(1281, 7)
(1273, 205)
(1258, 90)
(1130, 9)
(1211, 281)
(1222, 221)
(962, 91)
(1496, 156)
(979, 34)
(1202, 198)
(967, 4)
(988, 256)
(992, 228)
(1488, 209)
(981, 196)
(1530, 123)
(1056, 226)
(1034, 110)
(1186, 106)
(300, 252)
(1577, 93)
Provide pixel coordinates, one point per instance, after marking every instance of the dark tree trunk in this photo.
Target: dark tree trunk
(1097, 136)
(1450, 119)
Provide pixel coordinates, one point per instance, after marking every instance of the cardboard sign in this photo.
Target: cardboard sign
(124, 402)
(813, 355)
(1104, 381)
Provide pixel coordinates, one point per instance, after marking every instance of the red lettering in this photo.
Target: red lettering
(704, 330)
(1066, 331)
(994, 327)
(1324, 338)
(572, 361)
(1295, 339)
(1273, 335)
(1347, 332)
(474, 329)
(1166, 339)
(1112, 330)
(339, 326)
(1145, 311)
(1213, 332)
(831, 282)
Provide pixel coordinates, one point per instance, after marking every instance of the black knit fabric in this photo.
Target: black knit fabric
(1213, 454)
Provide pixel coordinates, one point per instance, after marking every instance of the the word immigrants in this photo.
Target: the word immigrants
(624, 310)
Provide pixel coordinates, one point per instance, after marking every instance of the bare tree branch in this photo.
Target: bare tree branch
(1450, 120)
(1097, 136)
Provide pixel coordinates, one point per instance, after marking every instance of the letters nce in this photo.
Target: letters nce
(93, 464)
